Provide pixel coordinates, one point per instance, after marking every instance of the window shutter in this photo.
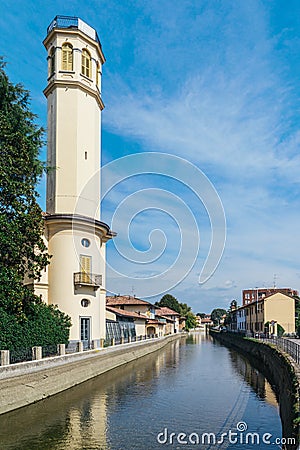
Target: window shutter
(86, 63)
(85, 268)
(67, 57)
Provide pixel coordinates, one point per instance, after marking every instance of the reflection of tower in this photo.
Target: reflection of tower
(87, 423)
(76, 237)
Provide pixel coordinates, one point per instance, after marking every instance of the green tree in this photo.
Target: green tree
(22, 250)
(217, 314)
(280, 330)
(190, 321)
(181, 308)
(190, 318)
(170, 302)
(202, 315)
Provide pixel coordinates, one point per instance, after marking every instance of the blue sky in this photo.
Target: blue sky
(215, 83)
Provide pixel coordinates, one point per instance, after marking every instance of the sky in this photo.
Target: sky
(200, 138)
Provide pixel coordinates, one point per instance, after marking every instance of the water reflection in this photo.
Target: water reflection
(77, 418)
(192, 385)
(254, 378)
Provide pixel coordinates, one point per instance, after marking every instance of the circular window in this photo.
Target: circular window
(85, 242)
(85, 302)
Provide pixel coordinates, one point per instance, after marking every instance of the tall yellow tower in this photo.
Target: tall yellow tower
(75, 278)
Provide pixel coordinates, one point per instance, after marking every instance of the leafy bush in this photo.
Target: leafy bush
(43, 325)
(280, 330)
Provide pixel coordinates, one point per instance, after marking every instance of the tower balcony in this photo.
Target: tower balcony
(84, 279)
(66, 22)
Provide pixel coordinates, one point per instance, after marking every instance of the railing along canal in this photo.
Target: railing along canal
(8, 357)
(285, 344)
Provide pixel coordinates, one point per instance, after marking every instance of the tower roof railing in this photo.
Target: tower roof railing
(74, 22)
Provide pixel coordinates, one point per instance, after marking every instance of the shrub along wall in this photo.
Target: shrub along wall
(279, 370)
(43, 325)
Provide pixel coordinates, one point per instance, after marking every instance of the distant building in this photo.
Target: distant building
(251, 295)
(204, 320)
(132, 304)
(121, 323)
(146, 311)
(264, 315)
(170, 314)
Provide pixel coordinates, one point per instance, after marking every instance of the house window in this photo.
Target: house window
(86, 63)
(85, 242)
(67, 57)
(52, 61)
(85, 302)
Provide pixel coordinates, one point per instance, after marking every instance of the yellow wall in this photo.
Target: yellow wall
(281, 308)
(278, 307)
(140, 327)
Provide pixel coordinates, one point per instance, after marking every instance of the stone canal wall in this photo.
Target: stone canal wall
(25, 383)
(280, 370)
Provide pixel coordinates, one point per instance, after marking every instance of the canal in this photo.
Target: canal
(193, 386)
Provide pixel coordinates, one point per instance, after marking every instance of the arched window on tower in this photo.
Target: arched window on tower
(86, 63)
(67, 57)
(51, 61)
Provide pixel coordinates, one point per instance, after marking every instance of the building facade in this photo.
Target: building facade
(252, 295)
(264, 315)
(74, 234)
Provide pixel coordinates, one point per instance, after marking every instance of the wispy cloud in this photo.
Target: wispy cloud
(229, 113)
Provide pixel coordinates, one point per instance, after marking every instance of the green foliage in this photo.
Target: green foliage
(280, 330)
(44, 325)
(202, 315)
(217, 314)
(22, 250)
(233, 304)
(190, 321)
(170, 302)
(182, 308)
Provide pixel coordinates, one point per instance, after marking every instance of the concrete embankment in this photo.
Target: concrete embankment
(25, 383)
(280, 370)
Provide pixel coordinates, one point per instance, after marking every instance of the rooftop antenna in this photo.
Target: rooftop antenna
(274, 280)
(132, 291)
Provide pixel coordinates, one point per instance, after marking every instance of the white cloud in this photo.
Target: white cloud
(228, 113)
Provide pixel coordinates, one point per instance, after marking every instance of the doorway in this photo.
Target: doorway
(85, 331)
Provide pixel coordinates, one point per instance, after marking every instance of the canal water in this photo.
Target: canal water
(194, 386)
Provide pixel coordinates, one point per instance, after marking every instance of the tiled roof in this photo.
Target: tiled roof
(165, 311)
(125, 300)
(121, 312)
(168, 319)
